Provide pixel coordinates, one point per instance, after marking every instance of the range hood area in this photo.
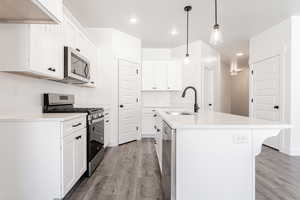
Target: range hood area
(31, 11)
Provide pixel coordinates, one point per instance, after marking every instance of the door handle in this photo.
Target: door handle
(78, 137)
(276, 107)
(210, 104)
(121, 106)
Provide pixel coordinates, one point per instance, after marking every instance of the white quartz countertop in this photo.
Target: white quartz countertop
(211, 119)
(41, 117)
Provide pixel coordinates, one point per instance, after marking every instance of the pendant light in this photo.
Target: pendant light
(187, 9)
(216, 37)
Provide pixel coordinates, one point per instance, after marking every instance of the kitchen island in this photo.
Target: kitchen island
(210, 155)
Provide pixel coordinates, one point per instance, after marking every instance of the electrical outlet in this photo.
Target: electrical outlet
(240, 139)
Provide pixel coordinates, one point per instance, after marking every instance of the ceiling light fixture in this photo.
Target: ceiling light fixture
(174, 32)
(133, 20)
(239, 54)
(187, 9)
(216, 37)
(234, 70)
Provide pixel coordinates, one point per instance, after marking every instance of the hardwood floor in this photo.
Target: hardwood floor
(277, 176)
(131, 172)
(128, 172)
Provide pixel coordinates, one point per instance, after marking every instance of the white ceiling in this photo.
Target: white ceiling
(239, 19)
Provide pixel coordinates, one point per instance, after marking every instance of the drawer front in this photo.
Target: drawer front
(107, 119)
(74, 125)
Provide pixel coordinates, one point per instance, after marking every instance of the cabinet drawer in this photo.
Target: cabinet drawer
(74, 125)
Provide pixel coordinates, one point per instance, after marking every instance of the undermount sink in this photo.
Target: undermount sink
(179, 113)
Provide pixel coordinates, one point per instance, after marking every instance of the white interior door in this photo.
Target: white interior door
(266, 94)
(208, 89)
(129, 94)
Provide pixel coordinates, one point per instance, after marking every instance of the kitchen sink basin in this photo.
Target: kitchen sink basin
(179, 113)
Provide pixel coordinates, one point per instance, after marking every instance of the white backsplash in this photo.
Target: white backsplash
(22, 94)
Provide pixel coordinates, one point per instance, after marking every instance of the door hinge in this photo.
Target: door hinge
(137, 128)
(137, 99)
(252, 72)
(252, 100)
(137, 71)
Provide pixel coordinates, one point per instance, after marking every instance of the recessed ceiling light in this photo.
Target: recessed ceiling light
(133, 20)
(174, 32)
(239, 54)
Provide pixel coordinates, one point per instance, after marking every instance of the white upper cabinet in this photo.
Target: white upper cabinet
(161, 75)
(32, 49)
(31, 11)
(174, 75)
(148, 76)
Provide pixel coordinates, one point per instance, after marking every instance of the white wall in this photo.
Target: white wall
(284, 40)
(201, 55)
(240, 93)
(114, 45)
(21, 94)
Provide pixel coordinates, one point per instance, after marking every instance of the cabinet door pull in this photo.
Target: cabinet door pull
(78, 137)
(75, 125)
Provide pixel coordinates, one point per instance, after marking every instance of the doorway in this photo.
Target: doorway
(265, 101)
(129, 101)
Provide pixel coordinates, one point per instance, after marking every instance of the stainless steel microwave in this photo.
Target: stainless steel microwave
(76, 67)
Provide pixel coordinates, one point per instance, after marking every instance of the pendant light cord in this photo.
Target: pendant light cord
(216, 12)
(187, 33)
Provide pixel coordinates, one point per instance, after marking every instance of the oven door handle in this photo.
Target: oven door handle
(97, 120)
(75, 125)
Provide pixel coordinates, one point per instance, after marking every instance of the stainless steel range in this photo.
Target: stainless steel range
(60, 103)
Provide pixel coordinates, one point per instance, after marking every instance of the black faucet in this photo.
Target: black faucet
(196, 107)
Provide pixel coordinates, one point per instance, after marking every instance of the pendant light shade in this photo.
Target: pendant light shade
(187, 9)
(216, 37)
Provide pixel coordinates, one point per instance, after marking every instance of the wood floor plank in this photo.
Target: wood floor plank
(131, 172)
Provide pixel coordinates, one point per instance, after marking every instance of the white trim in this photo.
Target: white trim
(290, 152)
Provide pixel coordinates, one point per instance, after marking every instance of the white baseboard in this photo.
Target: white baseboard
(148, 136)
(290, 152)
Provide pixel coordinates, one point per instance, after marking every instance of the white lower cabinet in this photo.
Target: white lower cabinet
(107, 126)
(47, 157)
(148, 123)
(158, 138)
(74, 159)
(152, 125)
(68, 163)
